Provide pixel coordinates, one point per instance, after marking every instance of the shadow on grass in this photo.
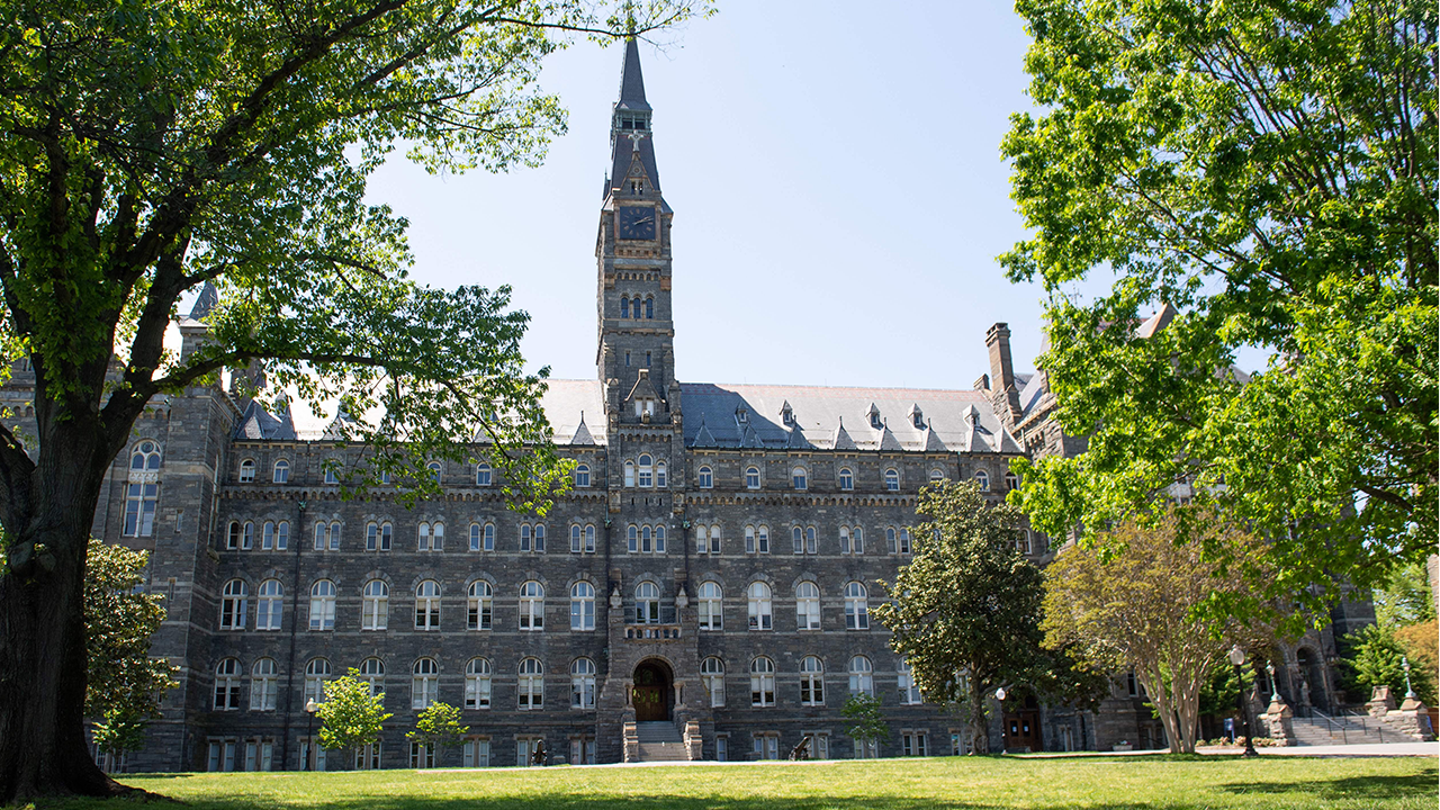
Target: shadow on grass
(1374, 788)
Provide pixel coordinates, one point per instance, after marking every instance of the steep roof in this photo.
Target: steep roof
(632, 81)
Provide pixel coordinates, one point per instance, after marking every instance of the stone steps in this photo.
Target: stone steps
(1309, 731)
(660, 741)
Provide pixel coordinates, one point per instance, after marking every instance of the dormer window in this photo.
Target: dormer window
(644, 407)
(787, 416)
(874, 417)
(917, 418)
(741, 415)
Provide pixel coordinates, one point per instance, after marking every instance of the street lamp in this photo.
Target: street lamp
(1000, 694)
(1237, 657)
(1274, 687)
(1405, 664)
(310, 708)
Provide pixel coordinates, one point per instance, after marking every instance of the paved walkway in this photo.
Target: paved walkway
(1410, 749)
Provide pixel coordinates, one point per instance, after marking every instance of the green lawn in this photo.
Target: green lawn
(895, 784)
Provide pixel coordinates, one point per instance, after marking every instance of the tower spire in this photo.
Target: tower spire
(630, 131)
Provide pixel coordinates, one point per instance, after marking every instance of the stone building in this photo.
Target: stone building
(709, 577)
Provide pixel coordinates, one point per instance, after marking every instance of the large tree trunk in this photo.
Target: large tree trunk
(979, 729)
(43, 750)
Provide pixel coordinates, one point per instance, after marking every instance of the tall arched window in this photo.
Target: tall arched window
(317, 672)
(629, 473)
(264, 685)
(661, 480)
(862, 681)
(145, 456)
(649, 308)
(427, 605)
(532, 606)
(847, 479)
(375, 606)
(227, 685)
(582, 476)
(479, 605)
(582, 684)
(433, 468)
(1012, 481)
(857, 540)
(711, 607)
(647, 603)
(281, 474)
(707, 478)
(372, 671)
(762, 682)
(624, 306)
(482, 538)
(424, 683)
(807, 606)
(270, 601)
(759, 604)
(844, 539)
(799, 478)
(632, 538)
(233, 605)
(532, 684)
(247, 471)
(582, 606)
(712, 673)
(477, 684)
(892, 480)
(857, 607)
(909, 692)
(322, 605)
(812, 682)
(647, 470)
(379, 536)
(983, 479)
(482, 475)
(752, 477)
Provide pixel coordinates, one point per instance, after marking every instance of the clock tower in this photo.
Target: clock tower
(635, 359)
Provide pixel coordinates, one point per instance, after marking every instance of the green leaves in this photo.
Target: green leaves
(439, 724)
(351, 717)
(1268, 170)
(125, 684)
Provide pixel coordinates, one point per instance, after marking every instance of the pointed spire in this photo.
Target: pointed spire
(932, 440)
(205, 303)
(582, 433)
(703, 437)
(841, 440)
(796, 440)
(887, 439)
(632, 82)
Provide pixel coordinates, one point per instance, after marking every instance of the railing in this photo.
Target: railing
(652, 631)
(1347, 722)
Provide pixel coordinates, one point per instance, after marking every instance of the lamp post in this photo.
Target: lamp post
(310, 708)
(1274, 687)
(1237, 657)
(1405, 665)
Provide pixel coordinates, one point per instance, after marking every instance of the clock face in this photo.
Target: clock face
(637, 222)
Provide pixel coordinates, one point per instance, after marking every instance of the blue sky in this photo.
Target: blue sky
(839, 196)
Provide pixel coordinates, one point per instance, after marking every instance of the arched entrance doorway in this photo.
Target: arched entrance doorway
(652, 693)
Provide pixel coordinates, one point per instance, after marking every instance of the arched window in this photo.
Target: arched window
(427, 605)
(759, 605)
(660, 539)
(892, 480)
(624, 306)
(983, 479)
(482, 538)
(660, 476)
(477, 684)
(431, 536)
(762, 539)
(707, 478)
(322, 605)
(375, 605)
(479, 605)
(711, 608)
(227, 685)
(629, 473)
(752, 477)
(857, 607)
(327, 535)
(647, 603)
(532, 684)
(844, 539)
(847, 479)
(937, 475)
(582, 606)
(812, 681)
(649, 308)
(807, 606)
(482, 475)
(275, 535)
(270, 601)
(233, 605)
(645, 539)
(1012, 481)
(762, 682)
(264, 685)
(909, 692)
(532, 606)
(857, 540)
(797, 538)
(282, 472)
(647, 470)
(379, 536)
(247, 471)
(582, 684)
(904, 542)
(433, 468)
(317, 672)
(372, 671)
(862, 681)
(589, 538)
(712, 673)
(145, 456)
(331, 476)
(582, 476)
(799, 479)
(424, 683)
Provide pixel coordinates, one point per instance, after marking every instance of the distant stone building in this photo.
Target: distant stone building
(709, 577)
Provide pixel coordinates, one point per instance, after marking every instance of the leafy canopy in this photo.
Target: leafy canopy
(124, 684)
(1268, 168)
(439, 724)
(350, 716)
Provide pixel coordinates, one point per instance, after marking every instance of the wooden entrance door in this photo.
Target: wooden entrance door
(651, 694)
(1022, 731)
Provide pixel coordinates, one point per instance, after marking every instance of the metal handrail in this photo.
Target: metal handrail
(1345, 723)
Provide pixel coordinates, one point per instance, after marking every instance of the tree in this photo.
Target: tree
(1267, 168)
(1138, 606)
(124, 684)
(965, 610)
(439, 724)
(351, 717)
(1375, 657)
(151, 149)
(869, 722)
(1404, 599)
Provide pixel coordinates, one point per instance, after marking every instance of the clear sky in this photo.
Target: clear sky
(838, 191)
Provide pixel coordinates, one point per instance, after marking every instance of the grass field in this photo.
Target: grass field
(1172, 783)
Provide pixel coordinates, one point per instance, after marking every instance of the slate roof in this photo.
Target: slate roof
(632, 81)
(258, 423)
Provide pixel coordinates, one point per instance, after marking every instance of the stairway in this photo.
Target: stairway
(661, 741)
(1314, 731)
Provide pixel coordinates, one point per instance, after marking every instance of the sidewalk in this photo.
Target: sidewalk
(1408, 749)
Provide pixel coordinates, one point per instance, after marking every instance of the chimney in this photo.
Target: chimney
(1005, 396)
